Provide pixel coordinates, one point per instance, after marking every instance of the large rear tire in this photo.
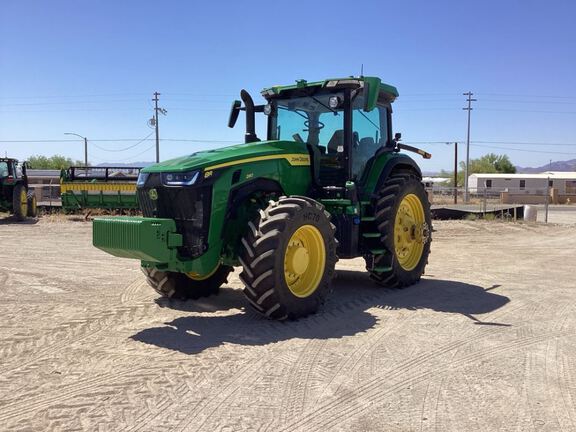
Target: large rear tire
(20, 202)
(181, 286)
(288, 257)
(403, 220)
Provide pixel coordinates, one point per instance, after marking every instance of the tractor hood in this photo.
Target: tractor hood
(250, 152)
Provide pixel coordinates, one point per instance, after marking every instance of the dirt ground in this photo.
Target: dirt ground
(486, 342)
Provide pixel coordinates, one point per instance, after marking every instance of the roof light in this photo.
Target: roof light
(334, 102)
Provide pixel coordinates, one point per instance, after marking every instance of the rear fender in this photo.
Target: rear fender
(382, 167)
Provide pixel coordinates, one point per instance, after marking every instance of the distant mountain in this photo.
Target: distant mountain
(569, 165)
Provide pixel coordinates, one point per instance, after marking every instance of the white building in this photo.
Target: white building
(535, 184)
(526, 188)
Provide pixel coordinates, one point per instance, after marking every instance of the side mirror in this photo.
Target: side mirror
(234, 112)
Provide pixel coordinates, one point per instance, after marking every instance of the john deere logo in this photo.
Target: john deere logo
(153, 194)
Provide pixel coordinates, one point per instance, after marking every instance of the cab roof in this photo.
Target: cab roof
(373, 85)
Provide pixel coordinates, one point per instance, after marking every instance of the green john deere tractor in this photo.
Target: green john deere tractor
(15, 197)
(327, 182)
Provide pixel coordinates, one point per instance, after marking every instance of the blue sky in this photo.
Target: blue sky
(90, 67)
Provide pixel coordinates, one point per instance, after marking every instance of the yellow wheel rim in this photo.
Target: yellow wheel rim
(23, 202)
(199, 277)
(409, 232)
(304, 261)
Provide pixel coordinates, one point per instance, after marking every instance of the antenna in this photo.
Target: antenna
(362, 70)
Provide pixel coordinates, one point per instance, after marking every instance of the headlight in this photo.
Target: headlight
(142, 177)
(267, 109)
(180, 179)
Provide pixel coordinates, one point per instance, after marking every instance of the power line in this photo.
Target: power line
(120, 140)
(3, 111)
(126, 148)
(528, 102)
(71, 96)
(523, 150)
(138, 154)
(527, 95)
(71, 102)
(524, 143)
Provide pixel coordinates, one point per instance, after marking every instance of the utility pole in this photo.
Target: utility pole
(155, 122)
(86, 152)
(469, 109)
(455, 173)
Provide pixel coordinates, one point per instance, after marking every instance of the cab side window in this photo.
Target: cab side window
(370, 132)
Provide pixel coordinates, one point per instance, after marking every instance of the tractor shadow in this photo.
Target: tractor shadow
(11, 220)
(226, 299)
(442, 296)
(346, 313)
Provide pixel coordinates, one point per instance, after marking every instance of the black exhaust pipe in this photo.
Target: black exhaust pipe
(250, 117)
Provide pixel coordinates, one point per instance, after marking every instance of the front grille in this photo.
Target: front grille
(188, 206)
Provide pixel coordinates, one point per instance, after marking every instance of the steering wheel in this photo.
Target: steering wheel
(308, 128)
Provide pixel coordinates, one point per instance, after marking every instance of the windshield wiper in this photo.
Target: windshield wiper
(366, 117)
(294, 111)
(325, 106)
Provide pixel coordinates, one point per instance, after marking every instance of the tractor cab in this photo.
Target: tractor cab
(345, 123)
(10, 171)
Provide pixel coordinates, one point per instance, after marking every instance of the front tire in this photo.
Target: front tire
(181, 286)
(288, 257)
(32, 204)
(404, 222)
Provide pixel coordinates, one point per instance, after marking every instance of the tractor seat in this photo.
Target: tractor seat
(337, 140)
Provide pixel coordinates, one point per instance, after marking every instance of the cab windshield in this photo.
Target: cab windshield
(3, 169)
(309, 119)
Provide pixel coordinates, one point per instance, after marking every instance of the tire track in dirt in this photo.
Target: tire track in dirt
(211, 405)
(200, 413)
(15, 411)
(134, 292)
(542, 374)
(482, 333)
(298, 378)
(279, 331)
(533, 305)
(67, 333)
(109, 384)
(353, 363)
(324, 416)
(4, 278)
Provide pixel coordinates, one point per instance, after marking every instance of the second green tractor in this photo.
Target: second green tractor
(327, 182)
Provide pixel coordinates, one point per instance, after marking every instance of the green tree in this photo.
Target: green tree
(487, 164)
(52, 162)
